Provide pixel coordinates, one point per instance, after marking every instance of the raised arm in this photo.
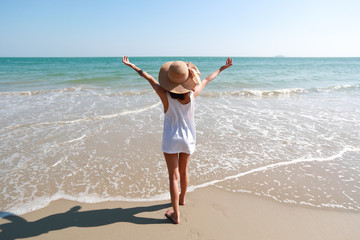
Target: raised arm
(156, 86)
(205, 81)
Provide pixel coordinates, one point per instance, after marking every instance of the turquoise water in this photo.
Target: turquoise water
(89, 129)
(32, 74)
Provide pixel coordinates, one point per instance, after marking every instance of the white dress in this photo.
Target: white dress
(179, 127)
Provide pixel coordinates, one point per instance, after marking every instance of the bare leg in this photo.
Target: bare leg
(184, 179)
(172, 162)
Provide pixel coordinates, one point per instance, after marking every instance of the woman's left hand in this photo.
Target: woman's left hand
(227, 65)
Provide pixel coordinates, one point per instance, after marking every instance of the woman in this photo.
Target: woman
(179, 85)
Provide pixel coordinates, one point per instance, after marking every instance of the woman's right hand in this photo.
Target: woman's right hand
(126, 61)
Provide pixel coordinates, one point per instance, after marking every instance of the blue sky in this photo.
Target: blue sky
(54, 28)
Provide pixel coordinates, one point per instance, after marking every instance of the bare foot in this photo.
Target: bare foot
(170, 215)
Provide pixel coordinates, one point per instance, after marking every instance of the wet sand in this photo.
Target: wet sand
(209, 213)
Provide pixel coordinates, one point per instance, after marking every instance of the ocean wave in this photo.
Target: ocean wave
(207, 93)
(276, 165)
(278, 92)
(254, 92)
(104, 92)
(339, 88)
(42, 202)
(43, 91)
(102, 117)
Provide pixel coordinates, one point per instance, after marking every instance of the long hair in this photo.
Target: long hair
(177, 96)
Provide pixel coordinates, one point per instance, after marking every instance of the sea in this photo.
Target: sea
(90, 129)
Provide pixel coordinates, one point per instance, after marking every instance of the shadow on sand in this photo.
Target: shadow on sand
(18, 227)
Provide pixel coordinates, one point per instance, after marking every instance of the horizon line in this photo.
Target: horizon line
(277, 56)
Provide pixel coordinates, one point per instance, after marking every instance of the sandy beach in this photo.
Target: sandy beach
(209, 213)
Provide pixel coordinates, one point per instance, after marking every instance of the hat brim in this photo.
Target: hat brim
(173, 87)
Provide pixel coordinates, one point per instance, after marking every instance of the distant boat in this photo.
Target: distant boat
(280, 56)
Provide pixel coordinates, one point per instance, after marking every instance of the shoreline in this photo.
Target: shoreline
(210, 213)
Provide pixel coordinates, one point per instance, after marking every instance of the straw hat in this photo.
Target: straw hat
(179, 77)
